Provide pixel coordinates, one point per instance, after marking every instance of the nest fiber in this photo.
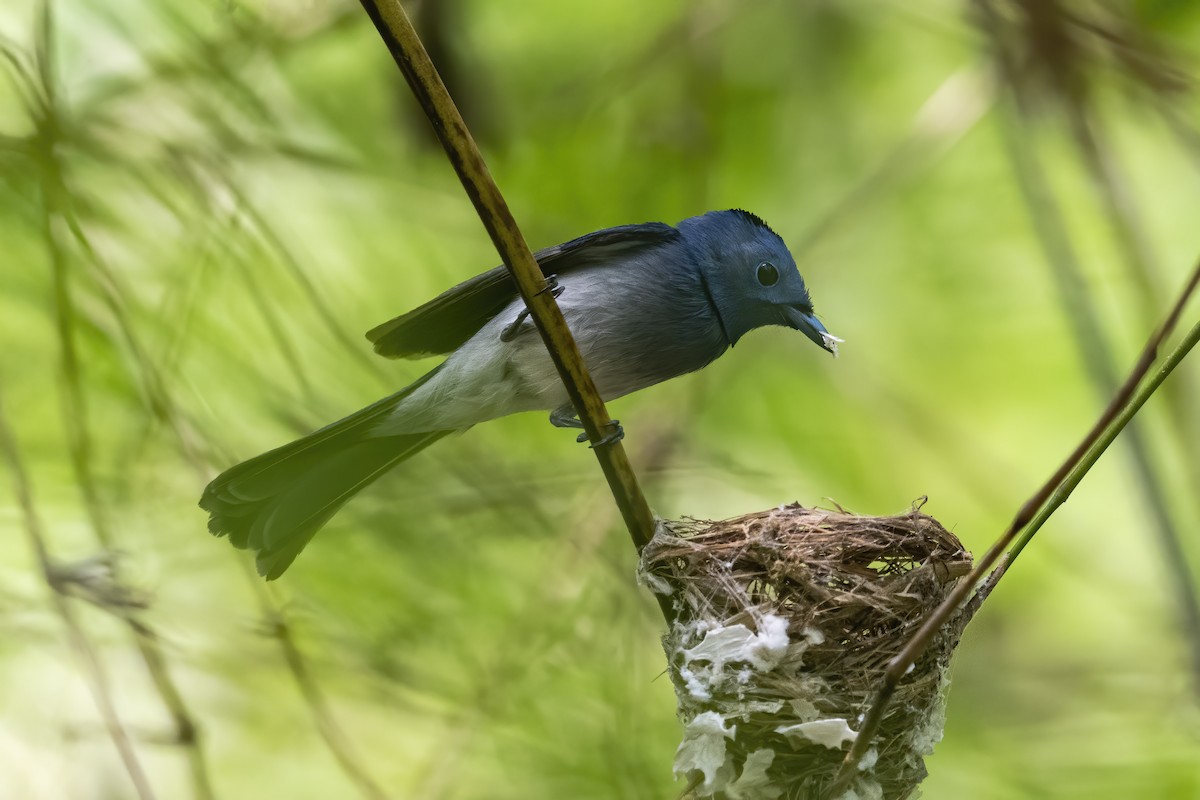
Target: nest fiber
(784, 622)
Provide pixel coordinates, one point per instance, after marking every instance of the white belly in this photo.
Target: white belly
(484, 379)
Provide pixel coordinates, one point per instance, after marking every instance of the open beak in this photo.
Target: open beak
(810, 326)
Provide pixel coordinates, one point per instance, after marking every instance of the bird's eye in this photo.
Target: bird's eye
(767, 274)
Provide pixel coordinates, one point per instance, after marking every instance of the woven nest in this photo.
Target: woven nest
(784, 623)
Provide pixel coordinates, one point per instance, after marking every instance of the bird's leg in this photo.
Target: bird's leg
(616, 434)
(510, 331)
(552, 286)
(566, 417)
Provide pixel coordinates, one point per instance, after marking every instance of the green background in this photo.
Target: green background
(213, 200)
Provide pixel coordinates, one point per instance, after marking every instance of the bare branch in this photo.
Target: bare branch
(1081, 310)
(410, 56)
(1063, 491)
(1051, 495)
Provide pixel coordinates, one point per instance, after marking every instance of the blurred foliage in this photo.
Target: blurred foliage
(203, 205)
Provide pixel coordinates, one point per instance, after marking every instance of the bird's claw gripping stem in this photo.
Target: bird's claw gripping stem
(510, 331)
(617, 434)
(565, 417)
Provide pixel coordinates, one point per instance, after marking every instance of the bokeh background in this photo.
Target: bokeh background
(204, 204)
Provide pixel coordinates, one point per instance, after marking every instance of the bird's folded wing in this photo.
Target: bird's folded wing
(448, 320)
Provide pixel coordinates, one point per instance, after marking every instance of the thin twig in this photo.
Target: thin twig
(1116, 415)
(410, 56)
(1063, 492)
(97, 679)
(1081, 310)
(1129, 230)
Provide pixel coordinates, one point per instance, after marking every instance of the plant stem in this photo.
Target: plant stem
(1081, 310)
(1063, 491)
(1073, 468)
(405, 46)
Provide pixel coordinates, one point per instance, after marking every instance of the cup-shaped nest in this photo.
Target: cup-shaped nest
(784, 622)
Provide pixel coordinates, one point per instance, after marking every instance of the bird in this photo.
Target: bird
(646, 302)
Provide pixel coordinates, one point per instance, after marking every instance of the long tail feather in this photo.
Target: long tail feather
(276, 502)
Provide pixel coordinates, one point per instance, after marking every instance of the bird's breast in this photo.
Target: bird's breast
(634, 334)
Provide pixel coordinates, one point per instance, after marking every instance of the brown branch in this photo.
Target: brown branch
(1114, 418)
(1051, 229)
(97, 679)
(410, 56)
(1062, 492)
(1034, 513)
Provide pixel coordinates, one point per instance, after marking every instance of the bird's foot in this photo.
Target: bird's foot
(616, 434)
(565, 417)
(552, 286)
(510, 331)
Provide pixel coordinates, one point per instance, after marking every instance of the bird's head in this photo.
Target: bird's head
(751, 277)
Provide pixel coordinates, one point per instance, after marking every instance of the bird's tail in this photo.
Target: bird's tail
(274, 503)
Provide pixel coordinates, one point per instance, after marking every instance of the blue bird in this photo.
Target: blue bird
(645, 302)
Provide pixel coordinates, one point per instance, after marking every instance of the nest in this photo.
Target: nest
(784, 622)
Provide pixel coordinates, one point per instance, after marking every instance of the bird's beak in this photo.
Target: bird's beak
(810, 326)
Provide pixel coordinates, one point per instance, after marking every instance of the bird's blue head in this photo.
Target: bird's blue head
(751, 277)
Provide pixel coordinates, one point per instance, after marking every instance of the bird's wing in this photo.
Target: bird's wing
(448, 320)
